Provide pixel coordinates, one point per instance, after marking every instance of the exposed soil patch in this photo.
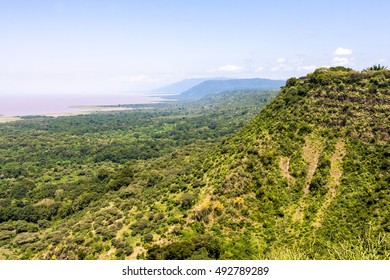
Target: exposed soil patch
(311, 153)
(336, 172)
(284, 164)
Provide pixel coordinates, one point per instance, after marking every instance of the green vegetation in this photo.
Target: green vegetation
(305, 177)
(376, 67)
(80, 180)
(311, 172)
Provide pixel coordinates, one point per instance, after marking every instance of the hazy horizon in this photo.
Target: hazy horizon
(47, 104)
(112, 46)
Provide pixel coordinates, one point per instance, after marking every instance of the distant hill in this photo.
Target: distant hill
(218, 86)
(179, 87)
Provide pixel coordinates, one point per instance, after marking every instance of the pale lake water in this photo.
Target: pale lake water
(23, 105)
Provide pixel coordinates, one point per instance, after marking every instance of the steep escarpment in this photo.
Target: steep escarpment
(308, 177)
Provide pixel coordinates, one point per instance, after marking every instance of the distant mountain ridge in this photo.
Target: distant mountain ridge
(184, 85)
(218, 86)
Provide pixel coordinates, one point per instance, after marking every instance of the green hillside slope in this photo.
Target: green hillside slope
(308, 178)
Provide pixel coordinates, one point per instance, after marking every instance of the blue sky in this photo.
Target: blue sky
(109, 46)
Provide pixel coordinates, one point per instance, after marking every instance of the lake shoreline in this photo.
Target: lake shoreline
(6, 119)
(20, 106)
(83, 110)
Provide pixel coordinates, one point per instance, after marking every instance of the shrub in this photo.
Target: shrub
(25, 238)
(6, 234)
(202, 246)
(148, 237)
(187, 200)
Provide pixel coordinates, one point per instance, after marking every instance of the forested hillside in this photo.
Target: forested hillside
(305, 177)
(308, 178)
(55, 171)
